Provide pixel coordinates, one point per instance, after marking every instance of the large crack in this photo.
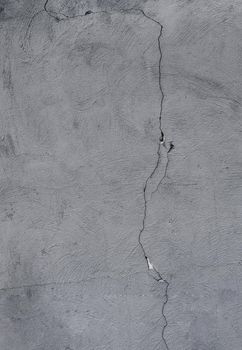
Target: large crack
(161, 146)
(151, 268)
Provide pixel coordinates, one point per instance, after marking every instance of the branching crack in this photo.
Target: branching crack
(161, 146)
(151, 268)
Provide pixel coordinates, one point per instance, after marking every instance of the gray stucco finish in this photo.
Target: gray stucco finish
(120, 154)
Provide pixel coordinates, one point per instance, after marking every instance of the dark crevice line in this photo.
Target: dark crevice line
(171, 147)
(161, 143)
(151, 269)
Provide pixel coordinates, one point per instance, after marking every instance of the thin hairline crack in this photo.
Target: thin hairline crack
(161, 144)
(151, 268)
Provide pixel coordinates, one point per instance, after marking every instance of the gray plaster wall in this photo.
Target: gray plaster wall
(120, 175)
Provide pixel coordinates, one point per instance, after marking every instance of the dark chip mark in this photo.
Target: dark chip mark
(171, 147)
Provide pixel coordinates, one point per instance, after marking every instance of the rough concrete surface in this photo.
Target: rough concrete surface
(120, 166)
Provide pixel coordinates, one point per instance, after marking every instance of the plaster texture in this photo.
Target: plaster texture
(120, 175)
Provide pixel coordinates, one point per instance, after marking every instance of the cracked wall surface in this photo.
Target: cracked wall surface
(120, 175)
